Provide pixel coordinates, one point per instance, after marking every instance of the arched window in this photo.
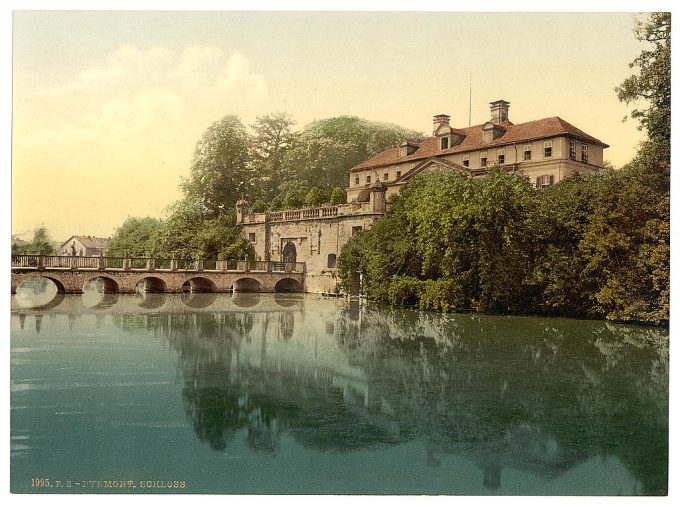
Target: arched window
(332, 260)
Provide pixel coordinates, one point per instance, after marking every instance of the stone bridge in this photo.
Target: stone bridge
(127, 275)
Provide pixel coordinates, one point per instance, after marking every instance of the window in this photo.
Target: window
(386, 176)
(356, 230)
(584, 153)
(444, 143)
(501, 156)
(466, 160)
(251, 237)
(544, 181)
(332, 261)
(482, 159)
(572, 150)
(356, 180)
(398, 174)
(527, 152)
(547, 149)
(368, 178)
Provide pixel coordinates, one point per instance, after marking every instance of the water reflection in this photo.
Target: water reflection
(198, 299)
(38, 293)
(246, 299)
(100, 294)
(520, 399)
(536, 395)
(150, 300)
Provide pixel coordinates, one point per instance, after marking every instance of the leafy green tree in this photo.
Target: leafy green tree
(565, 213)
(222, 169)
(314, 198)
(293, 200)
(627, 244)
(338, 196)
(41, 244)
(188, 234)
(653, 81)
(325, 150)
(259, 206)
(276, 204)
(135, 238)
(273, 137)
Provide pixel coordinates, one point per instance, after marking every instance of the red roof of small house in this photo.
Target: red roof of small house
(522, 132)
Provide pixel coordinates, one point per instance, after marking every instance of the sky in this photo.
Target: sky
(107, 106)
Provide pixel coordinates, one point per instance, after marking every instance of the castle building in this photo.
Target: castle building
(546, 151)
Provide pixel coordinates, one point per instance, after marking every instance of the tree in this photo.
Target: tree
(293, 200)
(188, 234)
(273, 137)
(325, 150)
(276, 204)
(221, 170)
(136, 238)
(259, 206)
(653, 82)
(41, 244)
(338, 196)
(314, 198)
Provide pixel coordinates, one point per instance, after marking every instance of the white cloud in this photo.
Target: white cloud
(141, 92)
(238, 80)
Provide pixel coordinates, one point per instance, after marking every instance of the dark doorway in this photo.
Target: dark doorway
(289, 252)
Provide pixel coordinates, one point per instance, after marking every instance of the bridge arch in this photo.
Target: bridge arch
(247, 285)
(109, 285)
(39, 292)
(199, 284)
(36, 279)
(288, 285)
(150, 284)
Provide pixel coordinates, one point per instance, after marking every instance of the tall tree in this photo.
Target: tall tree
(325, 150)
(273, 137)
(221, 170)
(653, 80)
(41, 244)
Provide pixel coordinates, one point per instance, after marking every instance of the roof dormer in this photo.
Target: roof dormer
(491, 131)
(407, 148)
(447, 137)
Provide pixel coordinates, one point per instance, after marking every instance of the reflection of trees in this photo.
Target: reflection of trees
(538, 395)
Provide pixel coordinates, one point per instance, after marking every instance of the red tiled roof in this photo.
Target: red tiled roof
(537, 129)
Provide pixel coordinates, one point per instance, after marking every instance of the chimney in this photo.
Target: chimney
(499, 111)
(438, 121)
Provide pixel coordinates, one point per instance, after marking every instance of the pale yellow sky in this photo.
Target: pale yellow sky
(107, 106)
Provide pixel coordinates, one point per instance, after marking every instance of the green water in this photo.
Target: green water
(300, 394)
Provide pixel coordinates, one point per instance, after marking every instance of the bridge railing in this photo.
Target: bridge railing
(114, 262)
(151, 264)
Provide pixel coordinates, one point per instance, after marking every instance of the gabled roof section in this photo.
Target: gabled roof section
(430, 162)
(473, 140)
(89, 241)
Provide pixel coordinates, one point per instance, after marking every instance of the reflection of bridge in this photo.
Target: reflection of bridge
(71, 274)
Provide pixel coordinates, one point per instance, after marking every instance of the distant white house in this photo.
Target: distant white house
(84, 246)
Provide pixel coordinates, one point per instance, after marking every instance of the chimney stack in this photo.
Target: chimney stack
(499, 111)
